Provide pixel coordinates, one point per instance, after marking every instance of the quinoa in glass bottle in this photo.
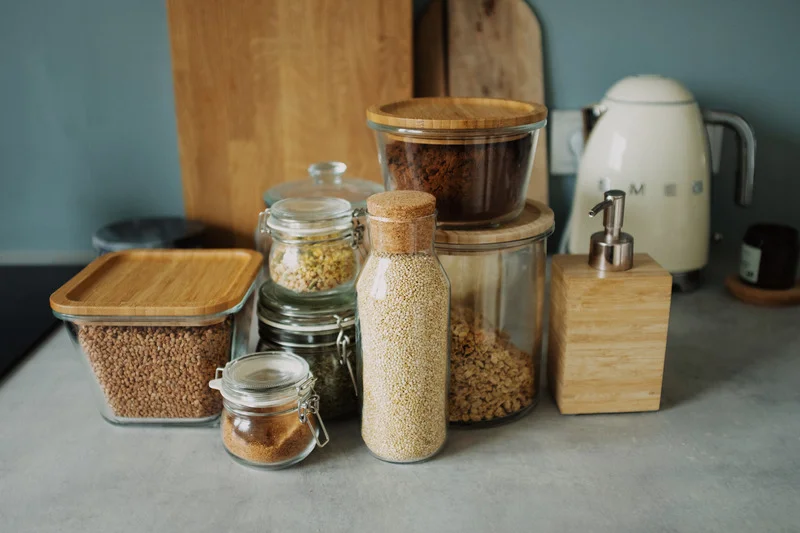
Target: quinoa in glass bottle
(403, 299)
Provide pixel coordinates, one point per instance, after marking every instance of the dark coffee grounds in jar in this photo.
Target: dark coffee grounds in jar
(472, 183)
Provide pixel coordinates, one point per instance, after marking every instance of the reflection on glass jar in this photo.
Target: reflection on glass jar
(497, 281)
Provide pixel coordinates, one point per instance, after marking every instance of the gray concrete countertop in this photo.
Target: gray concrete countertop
(723, 454)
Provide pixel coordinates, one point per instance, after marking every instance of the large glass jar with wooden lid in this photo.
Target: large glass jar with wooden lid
(497, 277)
(474, 154)
(154, 325)
(403, 297)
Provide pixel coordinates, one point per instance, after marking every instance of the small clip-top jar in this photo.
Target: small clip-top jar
(270, 415)
(403, 305)
(315, 241)
(325, 179)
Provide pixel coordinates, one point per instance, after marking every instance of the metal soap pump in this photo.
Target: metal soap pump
(611, 249)
(609, 313)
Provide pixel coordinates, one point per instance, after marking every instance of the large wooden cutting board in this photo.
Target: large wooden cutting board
(263, 88)
(483, 48)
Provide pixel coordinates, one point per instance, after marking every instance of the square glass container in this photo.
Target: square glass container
(154, 325)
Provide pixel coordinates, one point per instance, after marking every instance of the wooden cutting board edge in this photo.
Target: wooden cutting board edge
(250, 110)
(431, 44)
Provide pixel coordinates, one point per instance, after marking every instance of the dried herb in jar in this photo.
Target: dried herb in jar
(319, 263)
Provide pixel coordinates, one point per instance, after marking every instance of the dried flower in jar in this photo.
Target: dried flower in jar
(320, 263)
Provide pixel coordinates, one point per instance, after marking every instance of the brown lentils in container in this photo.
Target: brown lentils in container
(154, 326)
(157, 372)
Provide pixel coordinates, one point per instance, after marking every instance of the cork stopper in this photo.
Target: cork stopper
(402, 221)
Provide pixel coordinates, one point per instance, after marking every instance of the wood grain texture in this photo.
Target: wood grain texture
(430, 69)
(608, 335)
(762, 297)
(536, 220)
(159, 283)
(450, 113)
(493, 48)
(263, 88)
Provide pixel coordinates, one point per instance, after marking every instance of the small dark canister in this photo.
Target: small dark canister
(769, 256)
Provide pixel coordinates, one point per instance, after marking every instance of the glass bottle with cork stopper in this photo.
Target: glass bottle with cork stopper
(609, 313)
(403, 303)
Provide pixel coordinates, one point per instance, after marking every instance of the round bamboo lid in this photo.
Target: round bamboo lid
(401, 206)
(447, 113)
(536, 220)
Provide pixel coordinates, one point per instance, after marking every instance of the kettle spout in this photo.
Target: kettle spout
(591, 114)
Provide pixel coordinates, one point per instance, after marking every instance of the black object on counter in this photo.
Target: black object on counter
(25, 317)
(769, 256)
(160, 232)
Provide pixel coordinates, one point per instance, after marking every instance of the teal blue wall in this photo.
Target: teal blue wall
(87, 129)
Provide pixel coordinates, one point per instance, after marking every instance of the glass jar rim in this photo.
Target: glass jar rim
(458, 133)
(491, 246)
(324, 312)
(264, 379)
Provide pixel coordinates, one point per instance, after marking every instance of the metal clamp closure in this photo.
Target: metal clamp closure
(262, 221)
(310, 406)
(342, 344)
(358, 227)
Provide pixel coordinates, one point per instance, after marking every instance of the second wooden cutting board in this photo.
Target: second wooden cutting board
(483, 48)
(263, 88)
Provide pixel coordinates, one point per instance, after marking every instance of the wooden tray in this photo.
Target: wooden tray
(756, 296)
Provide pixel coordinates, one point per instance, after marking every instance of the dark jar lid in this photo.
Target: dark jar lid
(318, 321)
(160, 232)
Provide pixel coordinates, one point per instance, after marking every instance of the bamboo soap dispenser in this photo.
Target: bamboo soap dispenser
(609, 313)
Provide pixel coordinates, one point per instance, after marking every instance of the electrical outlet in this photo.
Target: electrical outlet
(566, 141)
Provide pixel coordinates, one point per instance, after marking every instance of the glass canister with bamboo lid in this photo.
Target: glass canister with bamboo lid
(498, 285)
(403, 298)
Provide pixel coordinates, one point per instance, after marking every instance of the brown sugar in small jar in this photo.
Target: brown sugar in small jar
(475, 155)
(271, 415)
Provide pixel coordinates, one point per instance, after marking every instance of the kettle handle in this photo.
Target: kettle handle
(745, 172)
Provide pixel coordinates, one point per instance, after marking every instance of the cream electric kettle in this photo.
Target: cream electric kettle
(650, 141)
